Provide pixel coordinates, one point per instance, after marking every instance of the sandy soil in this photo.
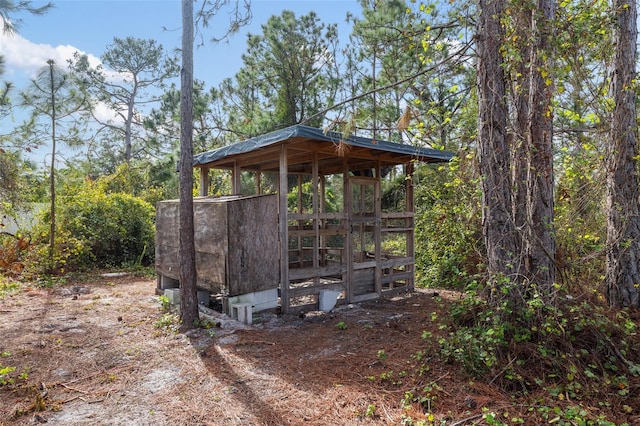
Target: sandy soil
(96, 353)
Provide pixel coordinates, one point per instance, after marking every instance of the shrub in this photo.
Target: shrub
(448, 233)
(98, 229)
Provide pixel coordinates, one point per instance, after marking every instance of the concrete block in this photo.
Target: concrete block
(243, 312)
(173, 294)
(261, 300)
(327, 299)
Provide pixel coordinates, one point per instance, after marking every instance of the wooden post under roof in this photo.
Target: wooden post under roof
(204, 181)
(258, 182)
(410, 208)
(376, 231)
(316, 217)
(284, 231)
(348, 249)
(236, 179)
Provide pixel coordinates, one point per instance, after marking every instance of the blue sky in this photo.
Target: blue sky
(89, 26)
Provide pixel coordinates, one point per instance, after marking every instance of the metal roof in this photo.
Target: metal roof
(261, 152)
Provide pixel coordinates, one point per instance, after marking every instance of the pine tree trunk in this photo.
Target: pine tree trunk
(623, 221)
(540, 240)
(494, 153)
(519, 135)
(188, 291)
(52, 172)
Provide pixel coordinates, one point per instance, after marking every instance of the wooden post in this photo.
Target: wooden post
(204, 181)
(376, 230)
(322, 224)
(284, 231)
(237, 179)
(316, 217)
(347, 197)
(410, 222)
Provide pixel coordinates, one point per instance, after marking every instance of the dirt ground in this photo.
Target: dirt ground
(94, 353)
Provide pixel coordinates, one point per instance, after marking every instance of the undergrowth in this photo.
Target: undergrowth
(573, 361)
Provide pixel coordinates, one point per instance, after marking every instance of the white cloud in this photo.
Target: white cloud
(23, 58)
(105, 114)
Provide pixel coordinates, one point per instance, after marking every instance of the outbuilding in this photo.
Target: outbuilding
(304, 226)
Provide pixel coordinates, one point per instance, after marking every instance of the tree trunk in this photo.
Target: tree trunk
(52, 172)
(188, 293)
(519, 135)
(623, 221)
(494, 153)
(540, 240)
(128, 124)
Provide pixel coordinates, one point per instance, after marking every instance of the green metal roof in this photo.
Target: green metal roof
(303, 138)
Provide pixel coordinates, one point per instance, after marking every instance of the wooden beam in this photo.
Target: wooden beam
(284, 231)
(315, 207)
(410, 207)
(236, 179)
(258, 182)
(347, 197)
(376, 231)
(204, 181)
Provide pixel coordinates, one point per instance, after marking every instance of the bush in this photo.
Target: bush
(448, 228)
(95, 229)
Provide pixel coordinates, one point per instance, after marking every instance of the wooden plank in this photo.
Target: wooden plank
(364, 265)
(397, 262)
(298, 309)
(319, 272)
(310, 216)
(253, 244)
(313, 233)
(396, 229)
(364, 297)
(397, 215)
(315, 289)
(399, 276)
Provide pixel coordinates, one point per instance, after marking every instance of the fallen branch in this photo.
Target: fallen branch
(73, 389)
(468, 419)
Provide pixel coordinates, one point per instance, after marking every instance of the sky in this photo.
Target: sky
(89, 26)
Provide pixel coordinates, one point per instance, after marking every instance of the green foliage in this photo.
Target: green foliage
(5, 378)
(306, 198)
(149, 66)
(168, 322)
(580, 220)
(11, 182)
(149, 182)
(567, 349)
(447, 224)
(96, 229)
(165, 303)
(7, 286)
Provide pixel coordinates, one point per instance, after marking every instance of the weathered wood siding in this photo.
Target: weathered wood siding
(236, 241)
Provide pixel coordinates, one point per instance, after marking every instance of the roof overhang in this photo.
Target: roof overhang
(306, 144)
